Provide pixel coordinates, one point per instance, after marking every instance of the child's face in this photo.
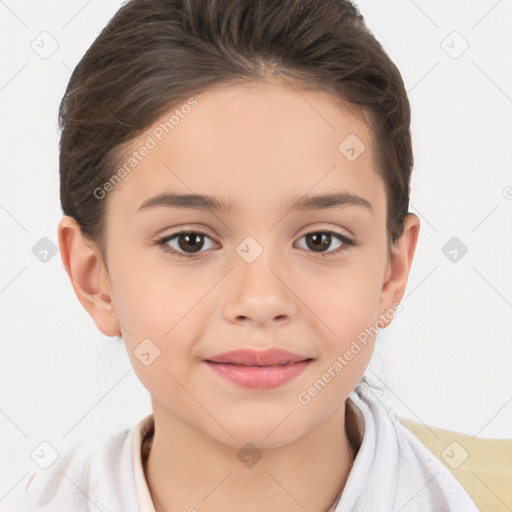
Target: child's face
(257, 148)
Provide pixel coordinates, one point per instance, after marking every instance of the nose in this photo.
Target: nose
(260, 293)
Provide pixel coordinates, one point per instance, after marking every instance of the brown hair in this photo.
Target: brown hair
(154, 54)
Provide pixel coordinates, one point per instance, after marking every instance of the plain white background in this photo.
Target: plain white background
(445, 360)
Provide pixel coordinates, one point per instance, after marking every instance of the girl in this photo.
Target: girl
(235, 188)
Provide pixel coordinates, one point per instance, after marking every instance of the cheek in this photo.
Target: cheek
(345, 318)
(347, 298)
(157, 307)
(150, 297)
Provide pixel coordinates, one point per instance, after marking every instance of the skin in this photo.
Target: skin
(257, 146)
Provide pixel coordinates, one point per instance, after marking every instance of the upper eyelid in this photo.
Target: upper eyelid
(308, 229)
(203, 231)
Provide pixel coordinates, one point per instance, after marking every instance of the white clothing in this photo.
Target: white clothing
(392, 472)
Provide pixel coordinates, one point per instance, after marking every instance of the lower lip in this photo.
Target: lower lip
(259, 377)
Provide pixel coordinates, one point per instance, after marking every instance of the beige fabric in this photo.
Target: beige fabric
(482, 466)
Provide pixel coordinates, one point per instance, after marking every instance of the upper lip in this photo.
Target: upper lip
(250, 357)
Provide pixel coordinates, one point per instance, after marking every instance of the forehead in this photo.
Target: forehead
(245, 143)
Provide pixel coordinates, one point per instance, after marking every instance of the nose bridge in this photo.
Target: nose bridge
(259, 292)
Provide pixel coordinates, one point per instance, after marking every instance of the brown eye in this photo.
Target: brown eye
(190, 242)
(320, 241)
(186, 243)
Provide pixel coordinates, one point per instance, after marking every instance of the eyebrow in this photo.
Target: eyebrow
(212, 204)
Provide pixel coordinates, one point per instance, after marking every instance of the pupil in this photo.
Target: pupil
(192, 240)
(320, 241)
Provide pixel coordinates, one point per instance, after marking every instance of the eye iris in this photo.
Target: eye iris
(192, 240)
(320, 241)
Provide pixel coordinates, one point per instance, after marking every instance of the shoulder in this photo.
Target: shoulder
(439, 486)
(88, 473)
(420, 479)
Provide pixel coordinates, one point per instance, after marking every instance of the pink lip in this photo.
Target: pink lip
(258, 369)
(250, 357)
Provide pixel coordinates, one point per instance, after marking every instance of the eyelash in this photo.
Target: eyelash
(162, 242)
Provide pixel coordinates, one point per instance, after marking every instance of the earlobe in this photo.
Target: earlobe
(84, 264)
(399, 266)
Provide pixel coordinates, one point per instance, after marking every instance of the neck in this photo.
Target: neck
(187, 470)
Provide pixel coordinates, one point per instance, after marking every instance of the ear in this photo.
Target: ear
(89, 277)
(398, 267)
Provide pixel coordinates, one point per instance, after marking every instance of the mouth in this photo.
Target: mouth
(258, 369)
(258, 358)
(257, 365)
